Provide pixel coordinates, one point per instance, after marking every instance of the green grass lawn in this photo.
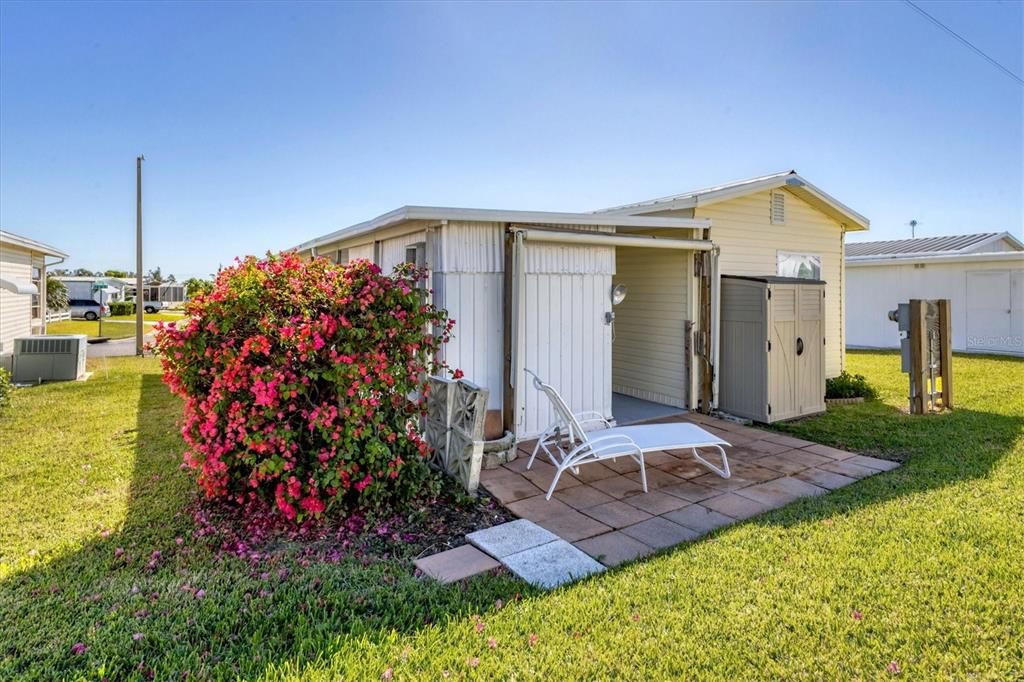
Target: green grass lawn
(113, 327)
(921, 566)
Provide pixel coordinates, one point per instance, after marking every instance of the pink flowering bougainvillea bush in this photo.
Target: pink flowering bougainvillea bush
(298, 379)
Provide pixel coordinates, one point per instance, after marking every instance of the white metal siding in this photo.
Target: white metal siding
(750, 243)
(15, 309)
(364, 251)
(474, 301)
(873, 291)
(648, 351)
(392, 251)
(567, 342)
(472, 247)
(467, 282)
(566, 296)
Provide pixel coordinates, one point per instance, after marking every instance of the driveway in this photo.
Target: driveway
(115, 347)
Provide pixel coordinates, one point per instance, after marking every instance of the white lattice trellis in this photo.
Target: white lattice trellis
(454, 428)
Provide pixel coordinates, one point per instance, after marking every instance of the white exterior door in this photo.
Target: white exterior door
(989, 310)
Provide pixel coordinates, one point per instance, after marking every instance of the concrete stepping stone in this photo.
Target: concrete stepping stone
(552, 564)
(456, 564)
(510, 538)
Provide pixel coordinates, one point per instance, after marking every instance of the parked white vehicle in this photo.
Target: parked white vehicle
(87, 308)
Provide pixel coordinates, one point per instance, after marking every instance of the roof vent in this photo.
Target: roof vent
(778, 208)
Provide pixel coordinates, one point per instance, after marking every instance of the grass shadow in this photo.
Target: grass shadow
(935, 450)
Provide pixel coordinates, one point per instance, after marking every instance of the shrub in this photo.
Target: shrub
(299, 380)
(56, 294)
(195, 286)
(5, 388)
(122, 308)
(848, 385)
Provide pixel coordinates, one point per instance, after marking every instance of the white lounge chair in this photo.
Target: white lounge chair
(568, 442)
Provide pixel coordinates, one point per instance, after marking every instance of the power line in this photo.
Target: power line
(963, 40)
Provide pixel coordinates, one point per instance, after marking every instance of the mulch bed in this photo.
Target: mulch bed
(426, 526)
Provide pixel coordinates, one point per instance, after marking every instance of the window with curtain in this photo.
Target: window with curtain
(801, 265)
(37, 280)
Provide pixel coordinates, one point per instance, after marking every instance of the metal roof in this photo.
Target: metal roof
(438, 213)
(789, 179)
(30, 244)
(932, 246)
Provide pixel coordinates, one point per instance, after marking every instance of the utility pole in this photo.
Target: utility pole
(138, 254)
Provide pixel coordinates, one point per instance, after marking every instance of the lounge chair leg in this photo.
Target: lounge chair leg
(643, 472)
(533, 456)
(554, 482)
(724, 471)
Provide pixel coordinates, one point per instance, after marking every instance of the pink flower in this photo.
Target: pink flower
(387, 674)
(893, 668)
(138, 636)
(857, 615)
(532, 639)
(78, 648)
(492, 643)
(473, 662)
(118, 552)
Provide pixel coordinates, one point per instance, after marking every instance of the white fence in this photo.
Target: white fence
(57, 315)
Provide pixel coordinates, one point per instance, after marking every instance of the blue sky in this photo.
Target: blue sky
(268, 124)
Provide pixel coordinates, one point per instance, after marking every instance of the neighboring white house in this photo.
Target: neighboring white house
(533, 289)
(22, 289)
(103, 290)
(108, 289)
(981, 274)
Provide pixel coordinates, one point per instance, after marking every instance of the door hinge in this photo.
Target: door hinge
(769, 408)
(769, 346)
(769, 294)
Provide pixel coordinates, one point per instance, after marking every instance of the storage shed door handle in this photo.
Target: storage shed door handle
(799, 346)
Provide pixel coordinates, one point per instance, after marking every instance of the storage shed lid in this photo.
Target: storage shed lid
(775, 279)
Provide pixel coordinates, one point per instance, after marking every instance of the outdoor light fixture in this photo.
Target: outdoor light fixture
(618, 296)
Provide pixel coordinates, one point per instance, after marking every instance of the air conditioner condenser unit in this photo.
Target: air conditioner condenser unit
(49, 358)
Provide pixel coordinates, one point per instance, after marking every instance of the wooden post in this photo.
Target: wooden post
(946, 352)
(918, 356)
(706, 377)
(508, 391)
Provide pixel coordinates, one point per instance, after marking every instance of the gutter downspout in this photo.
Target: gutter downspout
(518, 330)
(42, 302)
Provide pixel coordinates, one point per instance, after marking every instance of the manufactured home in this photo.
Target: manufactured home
(982, 275)
(620, 309)
(23, 268)
(105, 290)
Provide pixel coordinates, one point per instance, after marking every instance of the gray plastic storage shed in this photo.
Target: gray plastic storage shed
(772, 348)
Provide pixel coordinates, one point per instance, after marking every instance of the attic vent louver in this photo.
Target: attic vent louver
(778, 208)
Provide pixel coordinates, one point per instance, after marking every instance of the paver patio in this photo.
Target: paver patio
(603, 510)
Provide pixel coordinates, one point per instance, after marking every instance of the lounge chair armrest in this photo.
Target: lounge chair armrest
(592, 417)
(597, 445)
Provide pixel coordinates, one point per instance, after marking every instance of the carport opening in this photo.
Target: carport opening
(649, 349)
(629, 410)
